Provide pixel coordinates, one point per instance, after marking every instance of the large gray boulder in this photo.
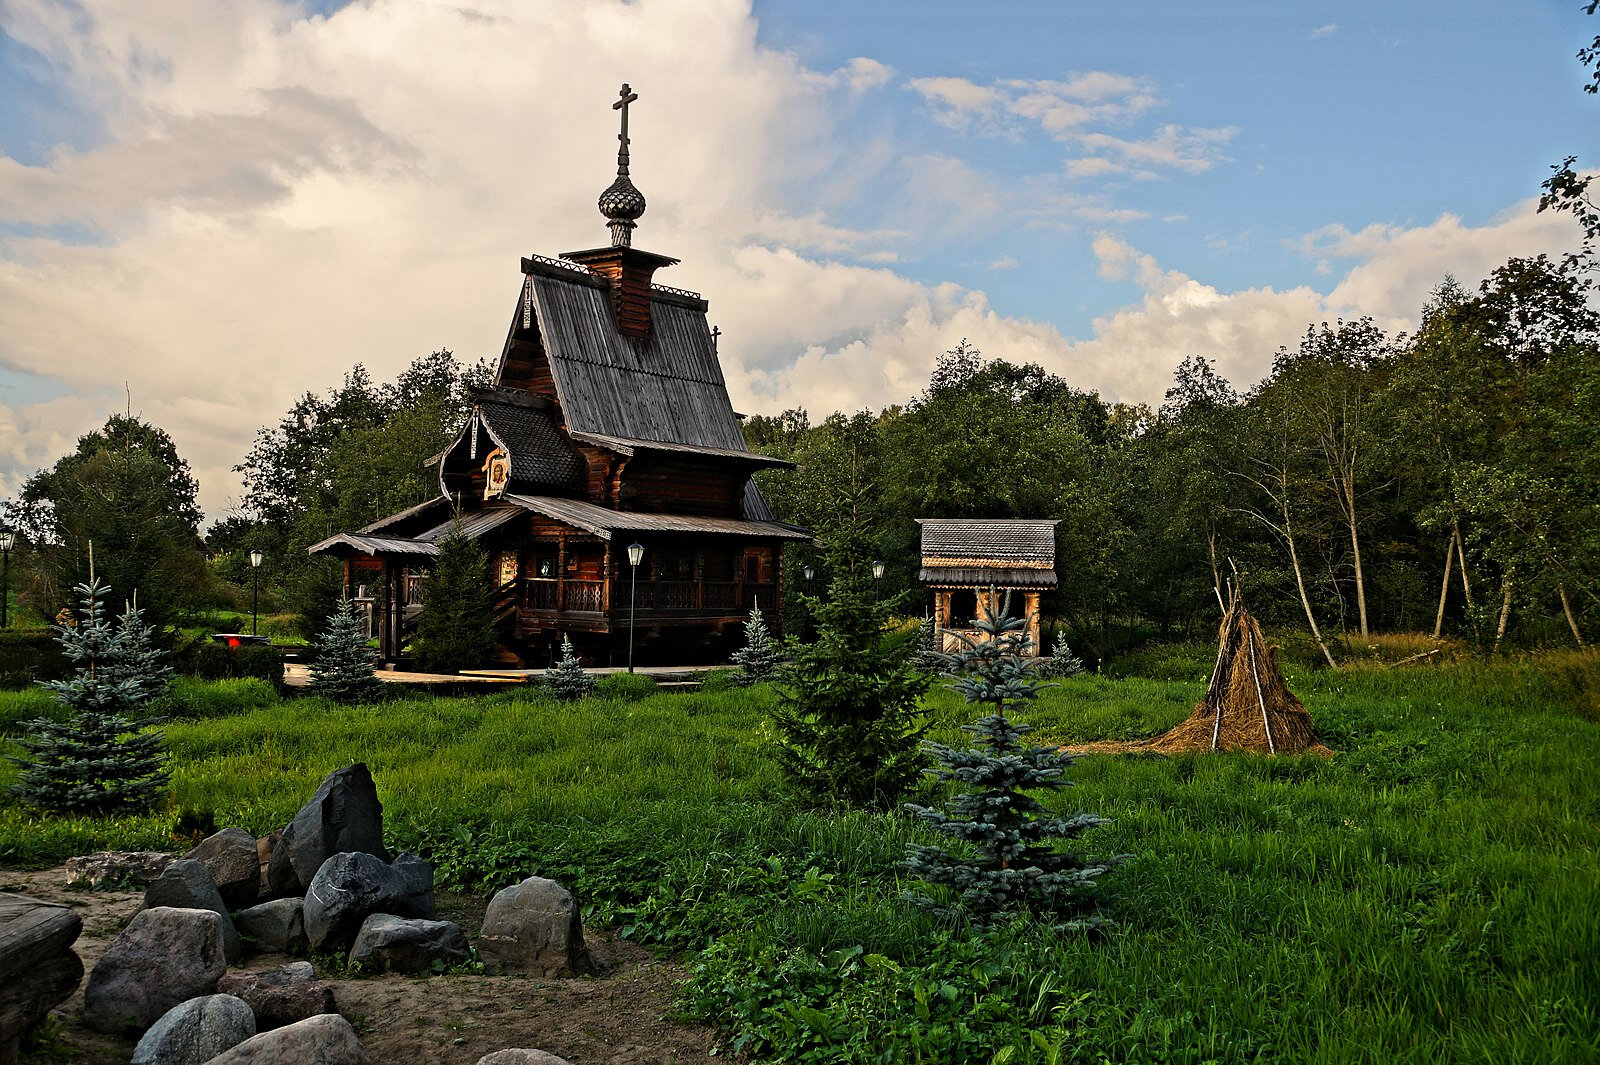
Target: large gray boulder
(349, 888)
(326, 1039)
(186, 885)
(517, 1056)
(344, 815)
(281, 881)
(281, 996)
(194, 1032)
(230, 857)
(109, 869)
(165, 956)
(533, 927)
(278, 927)
(389, 944)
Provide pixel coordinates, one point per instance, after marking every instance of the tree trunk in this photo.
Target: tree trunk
(1461, 555)
(1444, 588)
(1505, 611)
(1216, 576)
(1572, 621)
(1300, 582)
(1349, 489)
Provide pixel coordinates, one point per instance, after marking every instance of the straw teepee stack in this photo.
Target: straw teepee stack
(1247, 705)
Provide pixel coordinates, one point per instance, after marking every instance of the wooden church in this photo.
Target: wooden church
(608, 433)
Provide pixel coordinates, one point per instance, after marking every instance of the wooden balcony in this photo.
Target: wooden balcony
(548, 602)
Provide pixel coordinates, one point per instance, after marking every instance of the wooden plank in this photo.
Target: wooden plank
(30, 930)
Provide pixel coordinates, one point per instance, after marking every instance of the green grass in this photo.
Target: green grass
(1432, 893)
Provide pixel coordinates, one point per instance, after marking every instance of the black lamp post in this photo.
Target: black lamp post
(8, 540)
(256, 556)
(635, 556)
(877, 575)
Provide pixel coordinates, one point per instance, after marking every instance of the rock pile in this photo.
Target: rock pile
(323, 883)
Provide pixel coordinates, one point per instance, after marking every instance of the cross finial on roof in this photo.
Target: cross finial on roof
(622, 204)
(716, 331)
(628, 96)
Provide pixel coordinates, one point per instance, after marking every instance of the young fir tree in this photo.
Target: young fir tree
(847, 719)
(456, 629)
(98, 760)
(759, 658)
(1010, 863)
(566, 678)
(1062, 662)
(930, 659)
(341, 666)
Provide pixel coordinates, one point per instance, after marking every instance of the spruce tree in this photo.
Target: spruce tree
(99, 760)
(930, 658)
(1008, 862)
(566, 679)
(456, 629)
(847, 720)
(759, 658)
(341, 667)
(1062, 662)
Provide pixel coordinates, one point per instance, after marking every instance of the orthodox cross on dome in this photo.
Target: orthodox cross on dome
(628, 97)
(621, 203)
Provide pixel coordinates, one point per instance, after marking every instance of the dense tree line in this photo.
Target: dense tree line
(1445, 480)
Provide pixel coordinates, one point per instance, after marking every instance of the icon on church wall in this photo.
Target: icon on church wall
(497, 473)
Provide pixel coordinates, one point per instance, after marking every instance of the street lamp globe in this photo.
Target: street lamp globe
(877, 571)
(635, 554)
(809, 572)
(8, 540)
(255, 558)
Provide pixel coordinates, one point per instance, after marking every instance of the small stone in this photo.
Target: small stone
(389, 944)
(194, 1032)
(186, 885)
(517, 1056)
(327, 1039)
(230, 857)
(534, 927)
(351, 887)
(165, 956)
(109, 869)
(278, 927)
(343, 816)
(281, 996)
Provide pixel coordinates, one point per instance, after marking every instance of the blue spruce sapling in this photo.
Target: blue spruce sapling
(566, 679)
(100, 759)
(759, 658)
(341, 668)
(1008, 861)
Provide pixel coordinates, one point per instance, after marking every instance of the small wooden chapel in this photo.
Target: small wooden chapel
(608, 433)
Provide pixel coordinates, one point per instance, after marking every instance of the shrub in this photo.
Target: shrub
(208, 660)
(625, 687)
(1061, 662)
(29, 655)
(719, 680)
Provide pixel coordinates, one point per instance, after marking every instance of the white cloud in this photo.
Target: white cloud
(1327, 30)
(278, 197)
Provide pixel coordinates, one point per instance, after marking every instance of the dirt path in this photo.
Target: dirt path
(616, 1018)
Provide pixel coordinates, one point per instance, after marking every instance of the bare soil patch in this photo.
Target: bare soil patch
(617, 1017)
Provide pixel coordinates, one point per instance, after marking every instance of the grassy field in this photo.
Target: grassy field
(1430, 894)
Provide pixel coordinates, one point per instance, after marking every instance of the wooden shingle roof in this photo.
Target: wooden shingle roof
(973, 552)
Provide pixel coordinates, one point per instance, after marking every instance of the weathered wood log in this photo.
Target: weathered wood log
(31, 930)
(38, 969)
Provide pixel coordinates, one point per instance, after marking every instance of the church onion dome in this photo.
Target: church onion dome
(622, 201)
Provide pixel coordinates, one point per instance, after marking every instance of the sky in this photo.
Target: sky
(209, 209)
